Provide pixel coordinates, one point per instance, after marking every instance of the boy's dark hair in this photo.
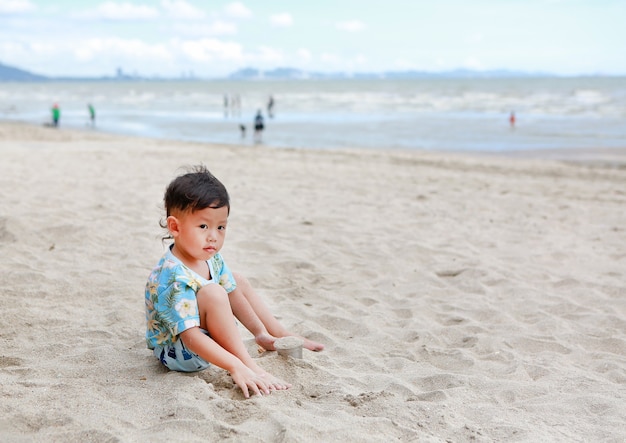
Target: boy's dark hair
(196, 190)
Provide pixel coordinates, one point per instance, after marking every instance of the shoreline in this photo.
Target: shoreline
(601, 157)
(460, 297)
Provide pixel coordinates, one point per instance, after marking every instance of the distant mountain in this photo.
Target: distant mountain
(297, 74)
(9, 73)
(281, 73)
(464, 73)
(278, 73)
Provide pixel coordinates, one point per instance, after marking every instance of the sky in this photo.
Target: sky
(211, 38)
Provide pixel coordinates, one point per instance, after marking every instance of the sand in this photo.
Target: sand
(460, 298)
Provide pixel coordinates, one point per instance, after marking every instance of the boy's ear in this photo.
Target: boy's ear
(173, 225)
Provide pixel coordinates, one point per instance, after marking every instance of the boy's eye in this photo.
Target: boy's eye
(221, 228)
(203, 226)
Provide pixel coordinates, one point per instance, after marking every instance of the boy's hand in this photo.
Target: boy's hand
(248, 381)
(274, 383)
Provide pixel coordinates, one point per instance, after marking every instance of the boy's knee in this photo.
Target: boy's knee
(211, 293)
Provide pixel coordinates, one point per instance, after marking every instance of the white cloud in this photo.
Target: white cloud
(200, 29)
(473, 63)
(329, 58)
(350, 25)
(208, 49)
(403, 64)
(19, 51)
(180, 9)
(304, 55)
(16, 6)
(94, 48)
(11, 48)
(222, 28)
(282, 20)
(267, 54)
(43, 48)
(237, 10)
(121, 11)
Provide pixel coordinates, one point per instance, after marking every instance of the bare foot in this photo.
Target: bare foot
(312, 345)
(307, 344)
(266, 341)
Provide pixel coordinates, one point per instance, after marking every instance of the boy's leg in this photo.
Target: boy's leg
(258, 307)
(258, 311)
(247, 316)
(216, 316)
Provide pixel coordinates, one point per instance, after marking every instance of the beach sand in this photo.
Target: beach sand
(460, 297)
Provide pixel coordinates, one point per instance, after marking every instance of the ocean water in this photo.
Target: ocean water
(430, 114)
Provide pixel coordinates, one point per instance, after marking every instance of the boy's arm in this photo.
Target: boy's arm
(204, 346)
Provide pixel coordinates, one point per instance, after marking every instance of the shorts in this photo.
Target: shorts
(177, 357)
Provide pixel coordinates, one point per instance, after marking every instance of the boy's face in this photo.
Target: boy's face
(199, 235)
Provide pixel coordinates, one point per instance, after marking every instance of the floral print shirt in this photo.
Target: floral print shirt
(171, 305)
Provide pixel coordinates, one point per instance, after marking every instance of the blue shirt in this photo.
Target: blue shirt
(171, 305)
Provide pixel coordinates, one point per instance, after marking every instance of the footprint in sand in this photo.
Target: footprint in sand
(5, 235)
(449, 360)
(6, 362)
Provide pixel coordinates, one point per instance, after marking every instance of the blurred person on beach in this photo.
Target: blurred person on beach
(512, 120)
(236, 105)
(56, 115)
(192, 297)
(258, 127)
(92, 114)
(270, 107)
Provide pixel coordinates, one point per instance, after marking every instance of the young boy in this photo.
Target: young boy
(192, 297)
